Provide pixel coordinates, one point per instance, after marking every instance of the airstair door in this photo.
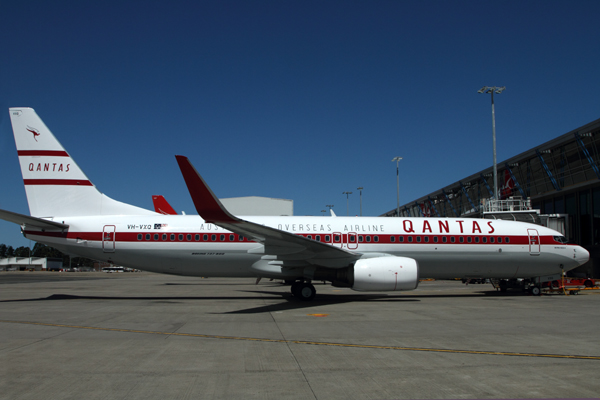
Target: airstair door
(534, 242)
(108, 238)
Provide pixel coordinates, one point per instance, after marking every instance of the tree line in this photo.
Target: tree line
(41, 250)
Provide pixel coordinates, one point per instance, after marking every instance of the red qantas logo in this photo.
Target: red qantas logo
(35, 132)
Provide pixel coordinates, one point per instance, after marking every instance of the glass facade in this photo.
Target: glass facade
(561, 176)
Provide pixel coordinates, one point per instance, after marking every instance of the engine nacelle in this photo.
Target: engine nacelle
(386, 274)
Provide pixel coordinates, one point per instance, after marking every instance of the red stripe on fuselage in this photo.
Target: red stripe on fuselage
(53, 153)
(59, 182)
(513, 240)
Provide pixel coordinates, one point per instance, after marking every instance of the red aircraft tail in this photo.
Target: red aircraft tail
(162, 206)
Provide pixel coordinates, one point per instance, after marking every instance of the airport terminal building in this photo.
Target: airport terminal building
(556, 184)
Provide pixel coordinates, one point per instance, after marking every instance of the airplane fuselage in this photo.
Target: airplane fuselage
(444, 248)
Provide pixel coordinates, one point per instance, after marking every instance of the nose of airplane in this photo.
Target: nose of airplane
(581, 255)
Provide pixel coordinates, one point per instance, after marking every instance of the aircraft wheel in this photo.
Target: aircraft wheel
(306, 292)
(296, 288)
(535, 290)
(588, 283)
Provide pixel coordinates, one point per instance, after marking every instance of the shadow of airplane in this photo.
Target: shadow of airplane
(289, 301)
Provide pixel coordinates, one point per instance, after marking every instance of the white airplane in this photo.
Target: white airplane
(362, 253)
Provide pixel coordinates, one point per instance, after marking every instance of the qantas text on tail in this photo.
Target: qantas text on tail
(363, 253)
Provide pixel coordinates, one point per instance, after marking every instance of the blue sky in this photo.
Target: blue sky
(300, 100)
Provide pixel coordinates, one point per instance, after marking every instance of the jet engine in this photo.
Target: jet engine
(385, 274)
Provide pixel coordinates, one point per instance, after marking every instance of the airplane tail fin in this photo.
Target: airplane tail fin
(162, 206)
(54, 183)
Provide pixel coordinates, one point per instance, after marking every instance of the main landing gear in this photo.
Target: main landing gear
(303, 290)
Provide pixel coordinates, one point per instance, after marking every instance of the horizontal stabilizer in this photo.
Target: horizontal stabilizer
(32, 222)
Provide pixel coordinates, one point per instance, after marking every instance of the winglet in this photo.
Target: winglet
(207, 204)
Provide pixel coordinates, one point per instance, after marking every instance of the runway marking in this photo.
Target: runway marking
(357, 346)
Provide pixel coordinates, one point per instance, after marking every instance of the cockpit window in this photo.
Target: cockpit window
(560, 239)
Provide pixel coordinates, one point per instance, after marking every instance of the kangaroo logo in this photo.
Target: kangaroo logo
(35, 132)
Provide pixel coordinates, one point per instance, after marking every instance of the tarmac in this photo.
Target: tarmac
(149, 336)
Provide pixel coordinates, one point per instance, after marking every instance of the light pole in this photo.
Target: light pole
(347, 202)
(360, 189)
(492, 90)
(330, 206)
(397, 159)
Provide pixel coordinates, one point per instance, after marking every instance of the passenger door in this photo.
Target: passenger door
(534, 242)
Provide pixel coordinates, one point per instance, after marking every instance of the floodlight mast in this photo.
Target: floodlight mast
(360, 189)
(397, 159)
(347, 202)
(492, 90)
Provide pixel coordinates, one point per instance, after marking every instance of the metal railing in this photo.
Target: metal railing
(512, 204)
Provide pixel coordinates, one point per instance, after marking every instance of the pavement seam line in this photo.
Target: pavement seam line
(308, 342)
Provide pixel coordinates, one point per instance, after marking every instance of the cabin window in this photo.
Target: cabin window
(147, 236)
(469, 239)
(164, 236)
(419, 239)
(309, 236)
(461, 239)
(352, 238)
(222, 238)
(318, 238)
(205, 237)
(410, 239)
(444, 239)
(197, 238)
(426, 239)
(361, 238)
(435, 239)
(491, 240)
(231, 238)
(484, 239)
(140, 236)
(181, 237)
(189, 237)
(477, 239)
(156, 236)
(452, 239)
(368, 238)
(172, 236)
(376, 238)
(392, 239)
(241, 238)
(499, 240)
(506, 240)
(213, 237)
(401, 238)
(327, 238)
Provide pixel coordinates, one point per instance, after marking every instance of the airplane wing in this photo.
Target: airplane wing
(292, 249)
(32, 222)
